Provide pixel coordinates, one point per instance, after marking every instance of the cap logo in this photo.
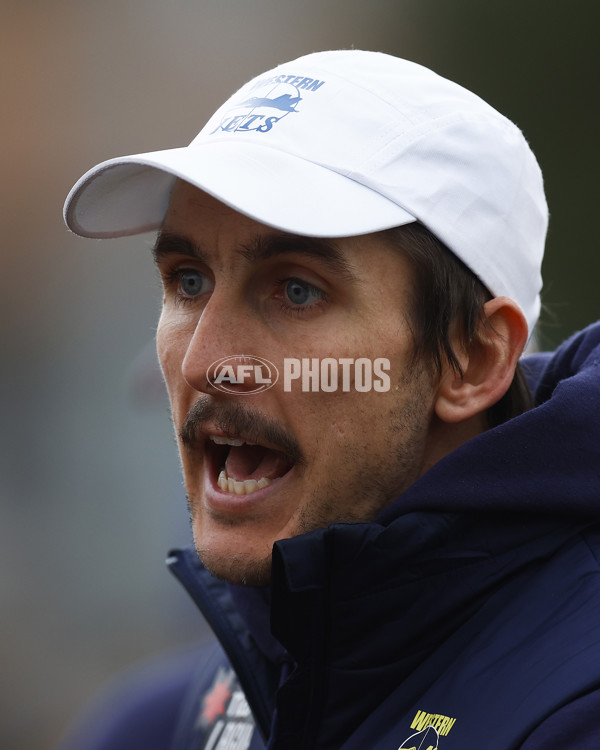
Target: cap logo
(272, 99)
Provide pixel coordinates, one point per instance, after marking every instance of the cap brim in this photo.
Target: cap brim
(130, 195)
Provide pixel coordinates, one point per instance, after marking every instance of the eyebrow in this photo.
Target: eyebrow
(262, 248)
(273, 245)
(174, 244)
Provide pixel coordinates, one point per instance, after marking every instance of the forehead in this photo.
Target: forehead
(192, 209)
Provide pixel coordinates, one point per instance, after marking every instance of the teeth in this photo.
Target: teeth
(226, 440)
(241, 487)
(229, 441)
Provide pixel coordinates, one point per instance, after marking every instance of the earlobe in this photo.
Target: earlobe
(488, 364)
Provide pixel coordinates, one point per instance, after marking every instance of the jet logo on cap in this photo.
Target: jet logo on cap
(271, 101)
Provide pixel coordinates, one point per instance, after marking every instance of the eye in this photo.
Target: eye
(192, 283)
(301, 293)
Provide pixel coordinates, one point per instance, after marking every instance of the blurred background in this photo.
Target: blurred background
(90, 494)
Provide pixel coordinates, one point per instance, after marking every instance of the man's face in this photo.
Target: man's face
(308, 458)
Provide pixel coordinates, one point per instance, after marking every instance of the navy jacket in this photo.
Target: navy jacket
(466, 616)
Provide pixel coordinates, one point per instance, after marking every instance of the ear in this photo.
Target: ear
(488, 365)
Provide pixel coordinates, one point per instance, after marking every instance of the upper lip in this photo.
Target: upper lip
(254, 430)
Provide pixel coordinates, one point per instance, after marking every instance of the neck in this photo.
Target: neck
(446, 437)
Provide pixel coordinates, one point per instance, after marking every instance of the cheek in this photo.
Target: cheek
(332, 425)
(170, 345)
(171, 348)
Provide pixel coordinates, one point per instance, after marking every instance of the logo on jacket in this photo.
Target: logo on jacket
(215, 701)
(430, 727)
(271, 101)
(224, 718)
(428, 739)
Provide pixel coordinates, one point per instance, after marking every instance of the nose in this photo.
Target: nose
(219, 351)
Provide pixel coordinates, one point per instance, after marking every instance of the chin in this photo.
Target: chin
(237, 567)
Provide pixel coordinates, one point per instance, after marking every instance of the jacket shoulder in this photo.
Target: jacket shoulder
(575, 726)
(141, 707)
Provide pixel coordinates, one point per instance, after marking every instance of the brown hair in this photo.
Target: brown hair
(448, 297)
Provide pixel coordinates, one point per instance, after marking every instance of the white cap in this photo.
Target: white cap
(342, 143)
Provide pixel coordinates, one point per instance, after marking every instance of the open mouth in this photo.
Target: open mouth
(242, 468)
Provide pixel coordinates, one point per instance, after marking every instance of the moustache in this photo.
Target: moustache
(236, 420)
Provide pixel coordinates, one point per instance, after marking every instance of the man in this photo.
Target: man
(396, 550)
